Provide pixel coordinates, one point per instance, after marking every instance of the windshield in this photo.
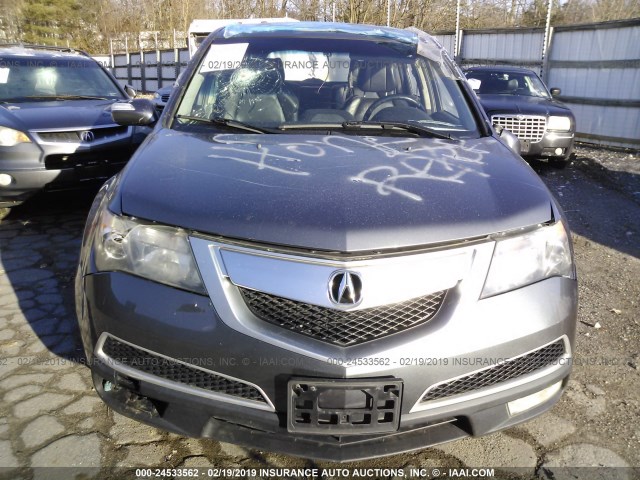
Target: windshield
(32, 79)
(297, 83)
(507, 83)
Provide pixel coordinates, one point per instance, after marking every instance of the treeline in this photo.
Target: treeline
(91, 25)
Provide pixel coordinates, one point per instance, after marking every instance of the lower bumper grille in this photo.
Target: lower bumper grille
(176, 371)
(514, 368)
(97, 157)
(339, 327)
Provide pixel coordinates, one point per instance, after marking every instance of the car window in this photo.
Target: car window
(507, 83)
(265, 82)
(30, 79)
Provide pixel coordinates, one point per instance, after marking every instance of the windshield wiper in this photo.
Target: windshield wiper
(66, 97)
(309, 126)
(225, 122)
(407, 127)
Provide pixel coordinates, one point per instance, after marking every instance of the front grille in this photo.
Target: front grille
(99, 156)
(73, 136)
(514, 368)
(178, 372)
(165, 98)
(525, 127)
(339, 327)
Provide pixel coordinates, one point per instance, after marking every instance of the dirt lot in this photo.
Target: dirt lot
(49, 414)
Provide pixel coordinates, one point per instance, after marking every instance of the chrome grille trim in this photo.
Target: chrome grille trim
(525, 127)
(71, 136)
(559, 362)
(257, 398)
(338, 327)
(219, 277)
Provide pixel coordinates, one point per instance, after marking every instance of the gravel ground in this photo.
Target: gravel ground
(600, 193)
(49, 414)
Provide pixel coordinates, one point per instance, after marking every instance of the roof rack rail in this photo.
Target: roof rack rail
(44, 47)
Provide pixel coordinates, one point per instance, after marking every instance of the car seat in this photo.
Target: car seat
(372, 82)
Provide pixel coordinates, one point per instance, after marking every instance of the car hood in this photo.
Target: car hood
(334, 192)
(522, 104)
(57, 114)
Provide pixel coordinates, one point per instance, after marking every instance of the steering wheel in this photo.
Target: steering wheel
(390, 98)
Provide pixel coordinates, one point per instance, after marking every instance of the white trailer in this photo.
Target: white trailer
(200, 29)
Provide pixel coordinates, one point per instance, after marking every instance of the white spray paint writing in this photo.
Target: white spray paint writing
(438, 160)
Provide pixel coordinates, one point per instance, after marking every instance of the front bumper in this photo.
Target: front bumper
(554, 145)
(29, 168)
(185, 326)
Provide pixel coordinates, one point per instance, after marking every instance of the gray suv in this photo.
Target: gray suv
(56, 130)
(324, 248)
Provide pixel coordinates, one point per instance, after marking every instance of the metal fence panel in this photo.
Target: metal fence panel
(597, 44)
(614, 126)
(152, 85)
(598, 69)
(448, 41)
(167, 56)
(500, 46)
(592, 83)
(120, 60)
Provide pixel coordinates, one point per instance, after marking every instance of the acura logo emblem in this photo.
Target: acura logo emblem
(87, 136)
(345, 288)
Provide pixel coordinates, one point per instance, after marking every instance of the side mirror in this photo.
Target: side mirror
(555, 92)
(129, 90)
(136, 112)
(510, 140)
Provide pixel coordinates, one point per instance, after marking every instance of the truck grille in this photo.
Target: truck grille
(513, 368)
(176, 371)
(339, 327)
(525, 127)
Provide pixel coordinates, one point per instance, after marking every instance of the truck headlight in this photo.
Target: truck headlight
(10, 137)
(160, 253)
(526, 259)
(562, 124)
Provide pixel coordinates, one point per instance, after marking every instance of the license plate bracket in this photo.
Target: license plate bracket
(344, 407)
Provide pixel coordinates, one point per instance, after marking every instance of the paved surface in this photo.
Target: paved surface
(50, 415)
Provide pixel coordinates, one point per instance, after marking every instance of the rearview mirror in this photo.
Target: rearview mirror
(136, 112)
(555, 92)
(129, 90)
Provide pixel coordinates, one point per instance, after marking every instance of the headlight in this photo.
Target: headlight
(559, 123)
(159, 253)
(526, 259)
(10, 137)
(156, 95)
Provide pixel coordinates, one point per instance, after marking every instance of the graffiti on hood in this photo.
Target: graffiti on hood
(413, 159)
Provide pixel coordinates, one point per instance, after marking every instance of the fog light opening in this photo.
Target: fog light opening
(5, 180)
(527, 403)
(559, 151)
(125, 391)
